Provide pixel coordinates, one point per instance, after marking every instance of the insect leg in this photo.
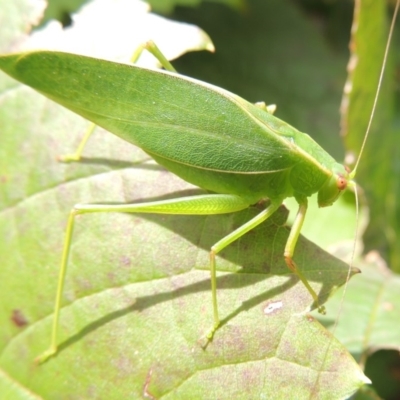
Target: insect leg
(152, 48)
(193, 205)
(78, 153)
(290, 247)
(270, 108)
(227, 240)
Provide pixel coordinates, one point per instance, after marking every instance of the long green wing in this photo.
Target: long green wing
(168, 115)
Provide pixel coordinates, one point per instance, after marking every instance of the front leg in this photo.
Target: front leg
(227, 240)
(291, 245)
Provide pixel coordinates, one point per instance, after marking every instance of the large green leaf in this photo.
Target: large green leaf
(137, 300)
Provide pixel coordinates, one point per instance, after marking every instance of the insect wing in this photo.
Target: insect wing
(168, 115)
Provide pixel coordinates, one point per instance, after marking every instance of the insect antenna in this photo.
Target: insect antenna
(378, 89)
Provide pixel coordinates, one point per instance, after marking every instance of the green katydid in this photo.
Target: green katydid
(267, 157)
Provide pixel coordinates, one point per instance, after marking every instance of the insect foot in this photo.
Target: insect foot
(46, 355)
(293, 267)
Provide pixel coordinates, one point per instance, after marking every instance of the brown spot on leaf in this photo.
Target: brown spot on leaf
(18, 318)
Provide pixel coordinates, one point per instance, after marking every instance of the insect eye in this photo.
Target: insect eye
(341, 183)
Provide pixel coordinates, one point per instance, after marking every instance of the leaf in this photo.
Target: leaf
(370, 312)
(137, 297)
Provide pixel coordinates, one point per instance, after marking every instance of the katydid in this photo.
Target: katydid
(240, 152)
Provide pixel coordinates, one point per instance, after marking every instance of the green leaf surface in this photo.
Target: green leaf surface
(137, 301)
(10, 389)
(370, 312)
